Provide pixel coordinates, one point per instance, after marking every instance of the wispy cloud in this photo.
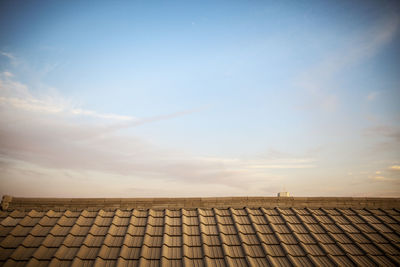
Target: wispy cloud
(44, 135)
(394, 168)
(319, 80)
(7, 55)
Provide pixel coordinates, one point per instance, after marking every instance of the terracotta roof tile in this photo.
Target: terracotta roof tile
(150, 252)
(383, 261)
(130, 253)
(200, 237)
(343, 261)
(44, 253)
(73, 241)
(12, 241)
(29, 221)
(217, 262)
(300, 261)
(171, 262)
(93, 240)
(279, 261)
(333, 249)
(21, 230)
(173, 230)
(236, 262)
(192, 252)
(322, 261)
(305, 238)
(33, 241)
(52, 241)
(113, 241)
(171, 252)
(193, 262)
(314, 250)
(254, 251)
(250, 239)
(190, 230)
(213, 251)
(192, 240)
(87, 253)
(109, 253)
(22, 253)
(273, 250)
(66, 253)
(258, 262)
(59, 230)
(5, 253)
(269, 239)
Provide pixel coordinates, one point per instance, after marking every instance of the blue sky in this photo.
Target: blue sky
(147, 98)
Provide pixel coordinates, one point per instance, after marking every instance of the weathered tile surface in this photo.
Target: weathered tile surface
(206, 236)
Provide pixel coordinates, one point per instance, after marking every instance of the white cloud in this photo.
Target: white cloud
(7, 74)
(43, 135)
(7, 55)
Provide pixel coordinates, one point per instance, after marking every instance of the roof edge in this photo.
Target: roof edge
(22, 203)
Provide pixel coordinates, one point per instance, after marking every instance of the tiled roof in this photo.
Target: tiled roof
(209, 236)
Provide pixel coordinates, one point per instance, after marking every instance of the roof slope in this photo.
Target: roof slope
(201, 237)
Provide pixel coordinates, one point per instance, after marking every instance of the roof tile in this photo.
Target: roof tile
(314, 250)
(192, 252)
(133, 241)
(322, 261)
(211, 240)
(236, 262)
(254, 251)
(171, 252)
(130, 253)
(88, 253)
(190, 221)
(151, 252)
(269, 239)
(33, 241)
(12, 241)
(234, 236)
(44, 253)
(193, 262)
(73, 241)
(66, 253)
(217, 262)
(191, 240)
(109, 253)
(294, 250)
(273, 250)
(52, 241)
(113, 241)
(213, 251)
(22, 253)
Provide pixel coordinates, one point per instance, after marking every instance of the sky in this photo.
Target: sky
(199, 98)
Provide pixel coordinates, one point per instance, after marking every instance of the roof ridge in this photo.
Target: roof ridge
(113, 204)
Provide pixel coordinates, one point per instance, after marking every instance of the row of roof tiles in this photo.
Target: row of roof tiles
(248, 236)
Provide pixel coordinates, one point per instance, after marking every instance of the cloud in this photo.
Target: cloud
(394, 168)
(7, 55)
(7, 74)
(45, 136)
(319, 80)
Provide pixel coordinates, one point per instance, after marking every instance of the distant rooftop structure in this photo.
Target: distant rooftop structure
(283, 194)
(229, 231)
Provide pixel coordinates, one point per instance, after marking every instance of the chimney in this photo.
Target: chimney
(283, 194)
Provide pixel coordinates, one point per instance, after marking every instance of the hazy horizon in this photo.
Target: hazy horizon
(214, 98)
